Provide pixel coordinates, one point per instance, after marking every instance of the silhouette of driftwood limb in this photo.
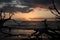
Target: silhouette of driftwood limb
(47, 30)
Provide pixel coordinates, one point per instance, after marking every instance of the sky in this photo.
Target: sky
(27, 9)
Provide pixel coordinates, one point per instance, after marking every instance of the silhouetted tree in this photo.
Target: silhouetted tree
(5, 16)
(54, 10)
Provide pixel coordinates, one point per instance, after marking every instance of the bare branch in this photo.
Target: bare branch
(15, 22)
(52, 12)
(55, 7)
(10, 15)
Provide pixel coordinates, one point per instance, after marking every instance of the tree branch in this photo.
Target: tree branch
(52, 12)
(55, 7)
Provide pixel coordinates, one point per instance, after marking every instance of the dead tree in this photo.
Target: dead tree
(3, 18)
(54, 9)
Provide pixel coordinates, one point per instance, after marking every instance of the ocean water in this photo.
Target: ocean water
(26, 28)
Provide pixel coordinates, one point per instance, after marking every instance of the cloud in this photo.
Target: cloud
(15, 5)
(14, 9)
(26, 5)
(7, 1)
(45, 3)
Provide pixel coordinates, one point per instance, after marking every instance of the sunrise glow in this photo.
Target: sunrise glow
(36, 13)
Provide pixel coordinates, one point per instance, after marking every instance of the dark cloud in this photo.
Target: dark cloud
(25, 5)
(46, 3)
(43, 2)
(5, 1)
(40, 2)
(28, 2)
(9, 8)
(15, 5)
